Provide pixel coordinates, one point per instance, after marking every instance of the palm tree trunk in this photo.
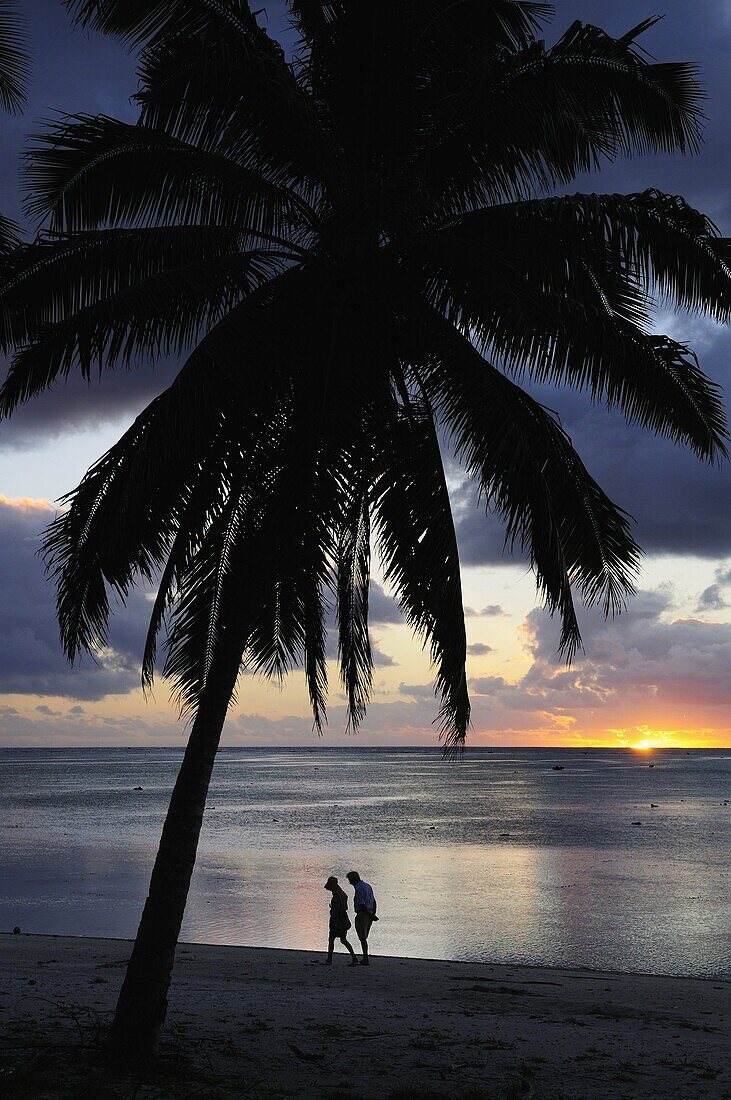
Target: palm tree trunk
(142, 1003)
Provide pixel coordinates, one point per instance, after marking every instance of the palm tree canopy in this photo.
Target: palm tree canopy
(355, 258)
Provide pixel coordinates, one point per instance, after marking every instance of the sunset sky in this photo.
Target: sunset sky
(657, 675)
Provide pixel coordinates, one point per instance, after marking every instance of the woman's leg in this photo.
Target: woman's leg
(345, 943)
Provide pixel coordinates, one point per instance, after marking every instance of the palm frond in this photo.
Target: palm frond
(10, 238)
(138, 21)
(555, 316)
(14, 59)
(418, 551)
(653, 241)
(235, 96)
(91, 172)
(524, 122)
(113, 532)
(131, 277)
(533, 478)
(353, 580)
(176, 467)
(163, 315)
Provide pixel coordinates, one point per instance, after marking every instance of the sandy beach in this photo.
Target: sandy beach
(255, 1022)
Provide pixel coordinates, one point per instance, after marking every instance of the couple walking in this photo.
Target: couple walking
(364, 903)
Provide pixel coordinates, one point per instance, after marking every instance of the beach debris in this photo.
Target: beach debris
(636, 822)
(303, 1055)
(137, 788)
(557, 768)
(653, 805)
(432, 828)
(505, 834)
(16, 931)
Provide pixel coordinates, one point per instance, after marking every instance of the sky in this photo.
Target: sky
(657, 675)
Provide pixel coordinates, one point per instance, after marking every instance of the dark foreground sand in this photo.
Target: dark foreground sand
(246, 1022)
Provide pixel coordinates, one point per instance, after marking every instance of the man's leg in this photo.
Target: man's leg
(362, 927)
(330, 948)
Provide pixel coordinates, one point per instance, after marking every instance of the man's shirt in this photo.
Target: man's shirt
(364, 897)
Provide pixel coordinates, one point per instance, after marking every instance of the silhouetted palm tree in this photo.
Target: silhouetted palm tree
(349, 251)
(13, 79)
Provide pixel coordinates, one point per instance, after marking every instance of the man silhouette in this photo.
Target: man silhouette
(364, 904)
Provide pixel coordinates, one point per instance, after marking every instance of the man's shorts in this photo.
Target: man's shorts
(363, 922)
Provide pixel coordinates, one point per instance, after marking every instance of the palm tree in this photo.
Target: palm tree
(354, 257)
(13, 80)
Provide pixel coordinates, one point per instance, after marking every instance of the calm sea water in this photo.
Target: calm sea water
(498, 857)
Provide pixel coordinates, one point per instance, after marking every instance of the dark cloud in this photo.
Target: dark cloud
(417, 691)
(382, 609)
(31, 661)
(76, 404)
(713, 598)
(380, 658)
(479, 649)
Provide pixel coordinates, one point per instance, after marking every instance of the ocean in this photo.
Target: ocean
(497, 857)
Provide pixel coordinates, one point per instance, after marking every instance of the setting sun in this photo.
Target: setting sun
(644, 745)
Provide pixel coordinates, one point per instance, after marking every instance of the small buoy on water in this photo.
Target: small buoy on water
(137, 788)
(653, 805)
(16, 931)
(636, 822)
(557, 768)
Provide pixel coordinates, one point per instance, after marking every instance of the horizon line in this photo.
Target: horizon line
(430, 748)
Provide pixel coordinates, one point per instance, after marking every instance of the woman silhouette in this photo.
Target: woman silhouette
(339, 920)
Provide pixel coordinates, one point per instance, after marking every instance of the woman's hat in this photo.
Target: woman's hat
(332, 881)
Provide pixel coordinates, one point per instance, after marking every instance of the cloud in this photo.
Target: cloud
(383, 609)
(643, 660)
(76, 404)
(417, 691)
(31, 660)
(712, 598)
(381, 659)
(492, 610)
(479, 649)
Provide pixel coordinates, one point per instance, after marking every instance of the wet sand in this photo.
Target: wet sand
(256, 1022)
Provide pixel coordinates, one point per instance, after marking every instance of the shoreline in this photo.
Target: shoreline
(590, 970)
(276, 1022)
